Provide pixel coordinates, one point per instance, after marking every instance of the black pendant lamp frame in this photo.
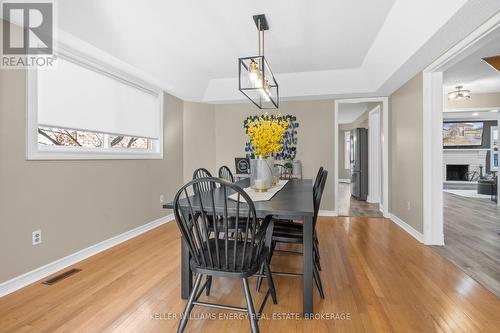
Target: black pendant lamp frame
(257, 94)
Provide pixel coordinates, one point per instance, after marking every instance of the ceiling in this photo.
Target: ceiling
(474, 74)
(349, 112)
(317, 49)
(471, 115)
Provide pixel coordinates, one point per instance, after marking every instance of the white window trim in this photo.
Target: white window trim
(36, 152)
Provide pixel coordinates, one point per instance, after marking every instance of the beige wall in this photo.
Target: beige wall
(476, 101)
(75, 203)
(406, 153)
(315, 136)
(199, 138)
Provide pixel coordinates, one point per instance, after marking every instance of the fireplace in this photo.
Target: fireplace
(457, 171)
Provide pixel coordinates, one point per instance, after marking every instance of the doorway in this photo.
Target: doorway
(433, 106)
(461, 208)
(361, 189)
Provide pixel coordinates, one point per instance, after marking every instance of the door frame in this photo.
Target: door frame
(432, 130)
(384, 202)
(374, 150)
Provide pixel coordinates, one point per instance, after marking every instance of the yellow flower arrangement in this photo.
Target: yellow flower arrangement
(266, 134)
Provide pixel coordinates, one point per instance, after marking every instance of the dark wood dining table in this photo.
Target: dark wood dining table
(293, 201)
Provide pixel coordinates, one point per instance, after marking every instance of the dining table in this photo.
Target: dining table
(293, 202)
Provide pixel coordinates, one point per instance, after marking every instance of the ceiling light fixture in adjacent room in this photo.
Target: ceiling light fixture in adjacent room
(256, 80)
(459, 94)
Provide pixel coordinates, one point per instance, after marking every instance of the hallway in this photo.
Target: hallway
(348, 206)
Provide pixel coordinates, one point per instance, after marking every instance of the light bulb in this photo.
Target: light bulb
(258, 82)
(253, 77)
(266, 87)
(253, 73)
(265, 92)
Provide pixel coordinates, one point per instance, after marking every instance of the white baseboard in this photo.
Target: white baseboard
(342, 180)
(23, 280)
(408, 228)
(327, 213)
(369, 199)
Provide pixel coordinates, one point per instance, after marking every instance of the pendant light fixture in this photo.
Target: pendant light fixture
(459, 94)
(256, 80)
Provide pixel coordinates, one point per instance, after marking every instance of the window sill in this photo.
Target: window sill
(91, 155)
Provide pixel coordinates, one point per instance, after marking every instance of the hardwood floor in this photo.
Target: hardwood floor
(373, 272)
(348, 206)
(472, 240)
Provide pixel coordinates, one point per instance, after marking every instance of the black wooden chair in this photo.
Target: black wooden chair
(318, 178)
(213, 252)
(226, 174)
(293, 226)
(203, 173)
(206, 186)
(290, 232)
(316, 241)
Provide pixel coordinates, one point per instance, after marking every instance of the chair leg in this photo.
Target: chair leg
(261, 271)
(259, 278)
(189, 305)
(251, 312)
(316, 255)
(318, 264)
(317, 279)
(209, 285)
(273, 246)
(270, 282)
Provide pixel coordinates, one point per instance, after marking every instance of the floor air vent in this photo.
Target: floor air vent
(61, 276)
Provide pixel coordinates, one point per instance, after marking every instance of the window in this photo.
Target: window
(83, 109)
(347, 150)
(494, 144)
(60, 137)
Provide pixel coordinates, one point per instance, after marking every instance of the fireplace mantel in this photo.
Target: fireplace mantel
(465, 149)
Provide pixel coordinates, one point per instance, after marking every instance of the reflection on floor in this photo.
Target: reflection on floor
(472, 240)
(348, 206)
(376, 277)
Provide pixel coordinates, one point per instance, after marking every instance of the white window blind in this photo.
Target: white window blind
(81, 97)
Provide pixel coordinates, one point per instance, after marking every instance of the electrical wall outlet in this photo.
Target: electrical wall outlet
(162, 198)
(409, 205)
(36, 237)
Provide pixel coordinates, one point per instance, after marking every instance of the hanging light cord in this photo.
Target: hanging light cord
(262, 40)
(258, 34)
